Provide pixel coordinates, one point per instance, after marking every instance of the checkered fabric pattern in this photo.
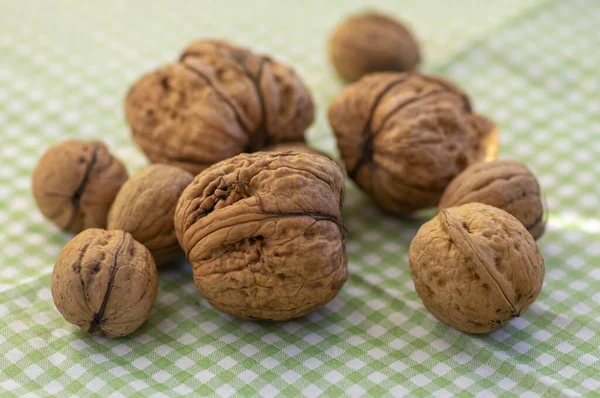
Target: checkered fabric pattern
(532, 65)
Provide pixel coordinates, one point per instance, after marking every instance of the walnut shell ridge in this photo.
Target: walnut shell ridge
(218, 101)
(506, 184)
(475, 267)
(404, 136)
(75, 183)
(372, 42)
(264, 234)
(104, 282)
(145, 207)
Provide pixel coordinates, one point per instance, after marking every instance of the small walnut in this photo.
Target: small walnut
(264, 234)
(75, 183)
(218, 101)
(372, 42)
(506, 184)
(104, 282)
(475, 267)
(403, 137)
(145, 207)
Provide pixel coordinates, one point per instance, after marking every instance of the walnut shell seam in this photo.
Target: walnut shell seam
(76, 197)
(97, 319)
(264, 213)
(457, 233)
(261, 129)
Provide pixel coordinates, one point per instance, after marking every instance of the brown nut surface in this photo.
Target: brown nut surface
(218, 101)
(294, 147)
(506, 184)
(475, 267)
(104, 282)
(403, 137)
(75, 183)
(264, 234)
(145, 207)
(372, 42)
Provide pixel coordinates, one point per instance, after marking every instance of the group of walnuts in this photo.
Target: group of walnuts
(258, 213)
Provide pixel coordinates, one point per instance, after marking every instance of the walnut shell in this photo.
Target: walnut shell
(403, 137)
(218, 101)
(75, 183)
(475, 267)
(294, 147)
(264, 234)
(145, 207)
(506, 184)
(372, 42)
(104, 282)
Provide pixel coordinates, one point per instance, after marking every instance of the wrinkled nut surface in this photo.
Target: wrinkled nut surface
(264, 234)
(75, 183)
(475, 267)
(404, 136)
(372, 42)
(218, 101)
(506, 184)
(145, 207)
(294, 147)
(105, 282)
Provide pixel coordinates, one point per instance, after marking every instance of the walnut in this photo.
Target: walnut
(75, 183)
(403, 137)
(475, 267)
(264, 234)
(506, 184)
(372, 42)
(145, 207)
(104, 282)
(218, 101)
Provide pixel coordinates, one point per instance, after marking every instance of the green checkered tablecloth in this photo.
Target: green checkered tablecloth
(532, 65)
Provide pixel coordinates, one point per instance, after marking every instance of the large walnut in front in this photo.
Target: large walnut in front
(404, 136)
(264, 234)
(218, 101)
(75, 183)
(104, 282)
(506, 184)
(145, 207)
(475, 267)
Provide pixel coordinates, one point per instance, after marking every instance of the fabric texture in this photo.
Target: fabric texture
(531, 65)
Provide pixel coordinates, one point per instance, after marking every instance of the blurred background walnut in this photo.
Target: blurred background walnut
(372, 42)
(506, 184)
(75, 183)
(145, 207)
(218, 101)
(104, 282)
(475, 267)
(264, 234)
(403, 137)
